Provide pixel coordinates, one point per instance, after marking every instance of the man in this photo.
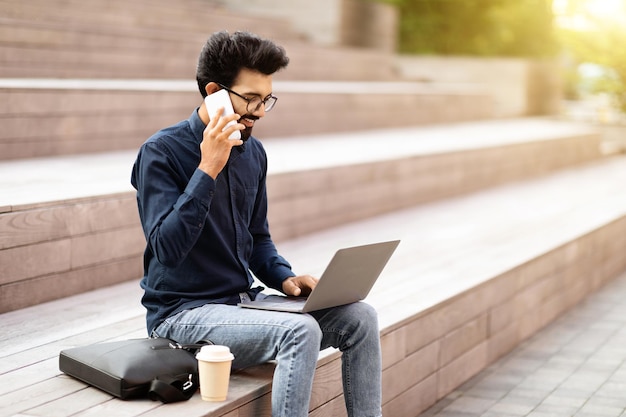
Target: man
(203, 207)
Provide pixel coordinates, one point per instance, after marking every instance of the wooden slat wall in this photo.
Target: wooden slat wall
(66, 122)
(115, 39)
(153, 40)
(57, 251)
(98, 241)
(303, 202)
(446, 346)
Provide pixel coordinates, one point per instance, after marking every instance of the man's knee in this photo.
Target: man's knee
(363, 324)
(302, 338)
(366, 312)
(307, 328)
(364, 315)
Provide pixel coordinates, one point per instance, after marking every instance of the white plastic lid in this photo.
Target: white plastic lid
(215, 353)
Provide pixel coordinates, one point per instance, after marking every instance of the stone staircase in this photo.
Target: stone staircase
(505, 224)
(74, 77)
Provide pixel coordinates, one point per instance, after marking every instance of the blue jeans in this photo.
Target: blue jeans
(294, 341)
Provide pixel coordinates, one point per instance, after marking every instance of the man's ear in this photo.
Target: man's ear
(211, 88)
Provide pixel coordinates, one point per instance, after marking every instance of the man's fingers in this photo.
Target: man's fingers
(218, 124)
(300, 285)
(215, 118)
(292, 287)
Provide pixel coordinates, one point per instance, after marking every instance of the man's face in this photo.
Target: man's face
(251, 85)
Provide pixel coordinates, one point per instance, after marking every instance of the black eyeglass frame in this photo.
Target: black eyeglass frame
(264, 102)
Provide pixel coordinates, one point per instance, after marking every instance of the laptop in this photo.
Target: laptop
(348, 278)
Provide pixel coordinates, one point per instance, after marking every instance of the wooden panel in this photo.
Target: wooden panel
(461, 340)
(503, 341)
(261, 407)
(107, 246)
(334, 408)
(74, 403)
(393, 347)
(409, 372)
(33, 226)
(56, 102)
(71, 127)
(34, 291)
(327, 383)
(34, 260)
(46, 235)
(38, 394)
(105, 214)
(52, 223)
(86, 121)
(461, 369)
(412, 402)
(402, 110)
(446, 318)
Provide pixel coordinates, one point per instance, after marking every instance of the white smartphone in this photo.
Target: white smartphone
(221, 99)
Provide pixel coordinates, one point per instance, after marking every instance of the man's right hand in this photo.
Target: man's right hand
(215, 147)
(299, 286)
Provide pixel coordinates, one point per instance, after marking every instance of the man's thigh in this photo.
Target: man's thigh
(340, 324)
(254, 336)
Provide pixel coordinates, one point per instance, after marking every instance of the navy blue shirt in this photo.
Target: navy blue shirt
(204, 237)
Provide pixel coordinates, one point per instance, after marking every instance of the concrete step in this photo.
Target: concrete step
(46, 117)
(101, 16)
(77, 215)
(99, 39)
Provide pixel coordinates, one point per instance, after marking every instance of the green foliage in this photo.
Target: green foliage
(476, 27)
(602, 45)
(518, 28)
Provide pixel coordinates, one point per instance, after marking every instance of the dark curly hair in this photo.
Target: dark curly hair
(224, 55)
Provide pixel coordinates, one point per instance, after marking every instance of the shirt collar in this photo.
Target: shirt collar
(197, 125)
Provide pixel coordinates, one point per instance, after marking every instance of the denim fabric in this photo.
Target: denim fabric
(293, 341)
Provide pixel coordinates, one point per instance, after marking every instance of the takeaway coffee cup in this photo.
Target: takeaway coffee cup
(214, 363)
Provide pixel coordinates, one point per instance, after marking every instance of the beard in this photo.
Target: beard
(247, 132)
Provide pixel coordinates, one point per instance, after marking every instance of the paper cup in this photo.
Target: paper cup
(214, 364)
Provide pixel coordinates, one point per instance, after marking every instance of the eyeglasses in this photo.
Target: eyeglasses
(255, 102)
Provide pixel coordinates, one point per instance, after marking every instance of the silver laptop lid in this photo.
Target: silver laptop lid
(350, 275)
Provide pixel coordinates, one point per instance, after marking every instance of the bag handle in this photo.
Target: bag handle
(190, 347)
(170, 389)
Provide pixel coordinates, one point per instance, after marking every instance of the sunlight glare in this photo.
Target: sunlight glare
(605, 9)
(579, 14)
